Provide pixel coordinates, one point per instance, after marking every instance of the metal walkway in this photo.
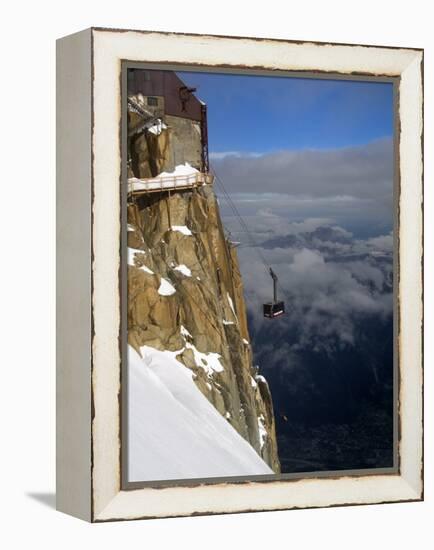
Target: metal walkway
(168, 183)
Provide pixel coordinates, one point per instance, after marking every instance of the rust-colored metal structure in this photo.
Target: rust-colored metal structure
(165, 94)
(177, 99)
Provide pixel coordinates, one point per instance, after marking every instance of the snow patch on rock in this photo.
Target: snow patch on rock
(210, 362)
(131, 260)
(182, 229)
(131, 254)
(180, 170)
(185, 333)
(166, 288)
(157, 128)
(146, 269)
(262, 431)
(183, 269)
(231, 305)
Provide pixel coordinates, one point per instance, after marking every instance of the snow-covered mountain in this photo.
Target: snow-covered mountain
(174, 430)
(198, 406)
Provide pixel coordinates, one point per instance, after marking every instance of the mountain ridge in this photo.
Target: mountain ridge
(186, 295)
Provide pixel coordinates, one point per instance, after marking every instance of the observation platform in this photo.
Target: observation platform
(167, 183)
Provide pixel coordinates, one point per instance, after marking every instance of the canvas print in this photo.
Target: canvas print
(260, 305)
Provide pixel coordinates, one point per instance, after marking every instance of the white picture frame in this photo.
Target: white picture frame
(89, 427)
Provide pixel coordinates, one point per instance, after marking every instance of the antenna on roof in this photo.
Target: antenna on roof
(185, 94)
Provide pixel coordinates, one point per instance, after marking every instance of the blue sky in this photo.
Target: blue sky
(255, 114)
(302, 148)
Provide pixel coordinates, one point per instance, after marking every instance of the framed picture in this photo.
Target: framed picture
(239, 274)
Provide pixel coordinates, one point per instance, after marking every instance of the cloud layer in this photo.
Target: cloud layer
(353, 186)
(330, 281)
(364, 172)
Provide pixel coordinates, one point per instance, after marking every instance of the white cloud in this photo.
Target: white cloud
(327, 289)
(383, 242)
(305, 260)
(218, 155)
(349, 185)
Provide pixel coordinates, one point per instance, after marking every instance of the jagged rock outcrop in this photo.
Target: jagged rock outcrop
(186, 294)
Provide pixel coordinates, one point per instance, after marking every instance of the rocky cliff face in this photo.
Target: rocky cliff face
(186, 295)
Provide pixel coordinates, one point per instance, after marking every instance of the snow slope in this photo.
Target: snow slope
(174, 431)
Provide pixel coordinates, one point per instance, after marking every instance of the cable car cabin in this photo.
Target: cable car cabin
(275, 308)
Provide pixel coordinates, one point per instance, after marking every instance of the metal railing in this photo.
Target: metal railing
(167, 183)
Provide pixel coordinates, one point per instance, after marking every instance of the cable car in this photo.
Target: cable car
(275, 308)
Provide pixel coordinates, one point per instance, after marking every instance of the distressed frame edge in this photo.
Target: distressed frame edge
(257, 39)
(411, 278)
(73, 275)
(410, 491)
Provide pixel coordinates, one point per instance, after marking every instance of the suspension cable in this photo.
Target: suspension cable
(241, 220)
(244, 226)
